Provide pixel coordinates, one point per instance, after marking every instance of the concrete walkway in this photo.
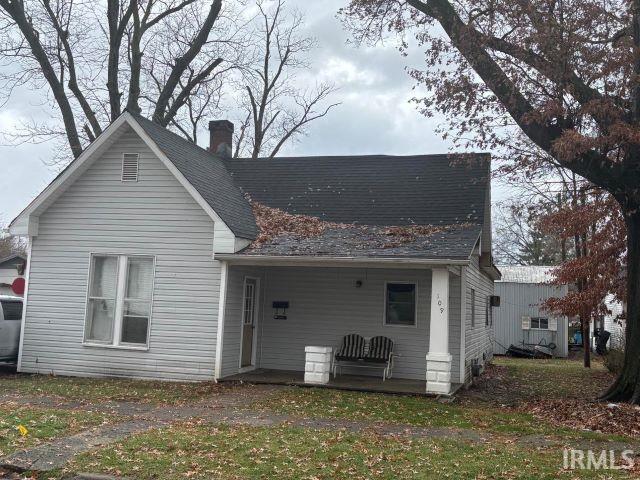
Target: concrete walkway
(228, 408)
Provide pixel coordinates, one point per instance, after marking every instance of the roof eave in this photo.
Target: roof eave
(313, 260)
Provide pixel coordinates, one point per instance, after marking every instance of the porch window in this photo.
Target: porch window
(119, 300)
(400, 304)
(539, 323)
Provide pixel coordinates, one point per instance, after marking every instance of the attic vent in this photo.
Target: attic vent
(130, 167)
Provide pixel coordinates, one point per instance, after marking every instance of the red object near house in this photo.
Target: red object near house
(18, 286)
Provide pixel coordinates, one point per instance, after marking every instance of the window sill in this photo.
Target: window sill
(397, 325)
(143, 348)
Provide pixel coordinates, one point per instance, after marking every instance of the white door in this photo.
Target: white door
(249, 309)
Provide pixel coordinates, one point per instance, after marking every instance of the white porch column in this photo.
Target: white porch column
(439, 358)
(317, 367)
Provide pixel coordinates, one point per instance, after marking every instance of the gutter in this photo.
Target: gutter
(292, 260)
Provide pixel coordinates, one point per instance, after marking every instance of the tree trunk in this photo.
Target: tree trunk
(586, 341)
(626, 388)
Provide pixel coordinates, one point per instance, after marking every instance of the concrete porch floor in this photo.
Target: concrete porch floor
(360, 383)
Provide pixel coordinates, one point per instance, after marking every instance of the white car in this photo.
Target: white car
(10, 321)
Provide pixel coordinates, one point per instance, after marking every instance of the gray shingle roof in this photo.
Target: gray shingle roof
(374, 190)
(371, 190)
(208, 175)
(453, 244)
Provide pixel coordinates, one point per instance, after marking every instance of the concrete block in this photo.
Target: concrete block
(439, 388)
(318, 357)
(316, 349)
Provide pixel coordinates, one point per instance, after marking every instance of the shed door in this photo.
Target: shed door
(248, 321)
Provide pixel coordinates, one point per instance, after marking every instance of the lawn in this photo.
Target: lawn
(41, 424)
(514, 423)
(506, 400)
(94, 390)
(202, 452)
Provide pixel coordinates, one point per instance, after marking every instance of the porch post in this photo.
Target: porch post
(438, 357)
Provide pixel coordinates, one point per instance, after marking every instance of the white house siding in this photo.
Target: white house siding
(525, 299)
(101, 214)
(233, 315)
(325, 305)
(478, 337)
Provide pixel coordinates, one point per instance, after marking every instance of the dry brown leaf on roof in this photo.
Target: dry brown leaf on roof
(274, 222)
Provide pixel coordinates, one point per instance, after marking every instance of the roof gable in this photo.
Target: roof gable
(193, 167)
(208, 175)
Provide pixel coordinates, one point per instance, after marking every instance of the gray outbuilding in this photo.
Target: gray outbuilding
(520, 320)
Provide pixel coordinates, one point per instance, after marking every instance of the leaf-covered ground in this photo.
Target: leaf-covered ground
(516, 421)
(547, 397)
(41, 424)
(94, 390)
(204, 451)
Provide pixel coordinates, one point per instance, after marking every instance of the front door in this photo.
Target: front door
(248, 321)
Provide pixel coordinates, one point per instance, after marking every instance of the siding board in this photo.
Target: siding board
(100, 214)
(479, 339)
(525, 299)
(325, 305)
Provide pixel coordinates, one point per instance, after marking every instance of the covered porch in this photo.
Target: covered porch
(272, 313)
(360, 383)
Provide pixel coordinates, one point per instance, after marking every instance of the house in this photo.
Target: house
(613, 322)
(11, 267)
(151, 257)
(521, 318)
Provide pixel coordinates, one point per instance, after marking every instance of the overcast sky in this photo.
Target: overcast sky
(374, 116)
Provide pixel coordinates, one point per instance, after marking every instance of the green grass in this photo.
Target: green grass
(42, 424)
(416, 411)
(94, 390)
(481, 408)
(203, 452)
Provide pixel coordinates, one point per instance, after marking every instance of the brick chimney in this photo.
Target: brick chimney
(221, 137)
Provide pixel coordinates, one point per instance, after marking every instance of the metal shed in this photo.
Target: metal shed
(520, 317)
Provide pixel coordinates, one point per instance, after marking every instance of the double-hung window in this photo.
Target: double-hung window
(119, 300)
(400, 304)
(539, 323)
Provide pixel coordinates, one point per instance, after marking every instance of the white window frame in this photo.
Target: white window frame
(488, 321)
(473, 307)
(384, 304)
(531, 327)
(121, 285)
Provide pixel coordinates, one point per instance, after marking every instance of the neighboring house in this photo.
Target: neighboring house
(614, 323)
(521, 320)
(143, 260)
(11, 267)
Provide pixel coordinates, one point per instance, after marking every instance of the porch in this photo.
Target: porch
(359, 383)
(272, 313)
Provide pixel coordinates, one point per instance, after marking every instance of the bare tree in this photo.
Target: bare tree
(277, 109)
(165, 54)
(519, 240)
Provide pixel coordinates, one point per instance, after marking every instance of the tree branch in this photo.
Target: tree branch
(15, 9)
(182, 62)
(63, 35)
